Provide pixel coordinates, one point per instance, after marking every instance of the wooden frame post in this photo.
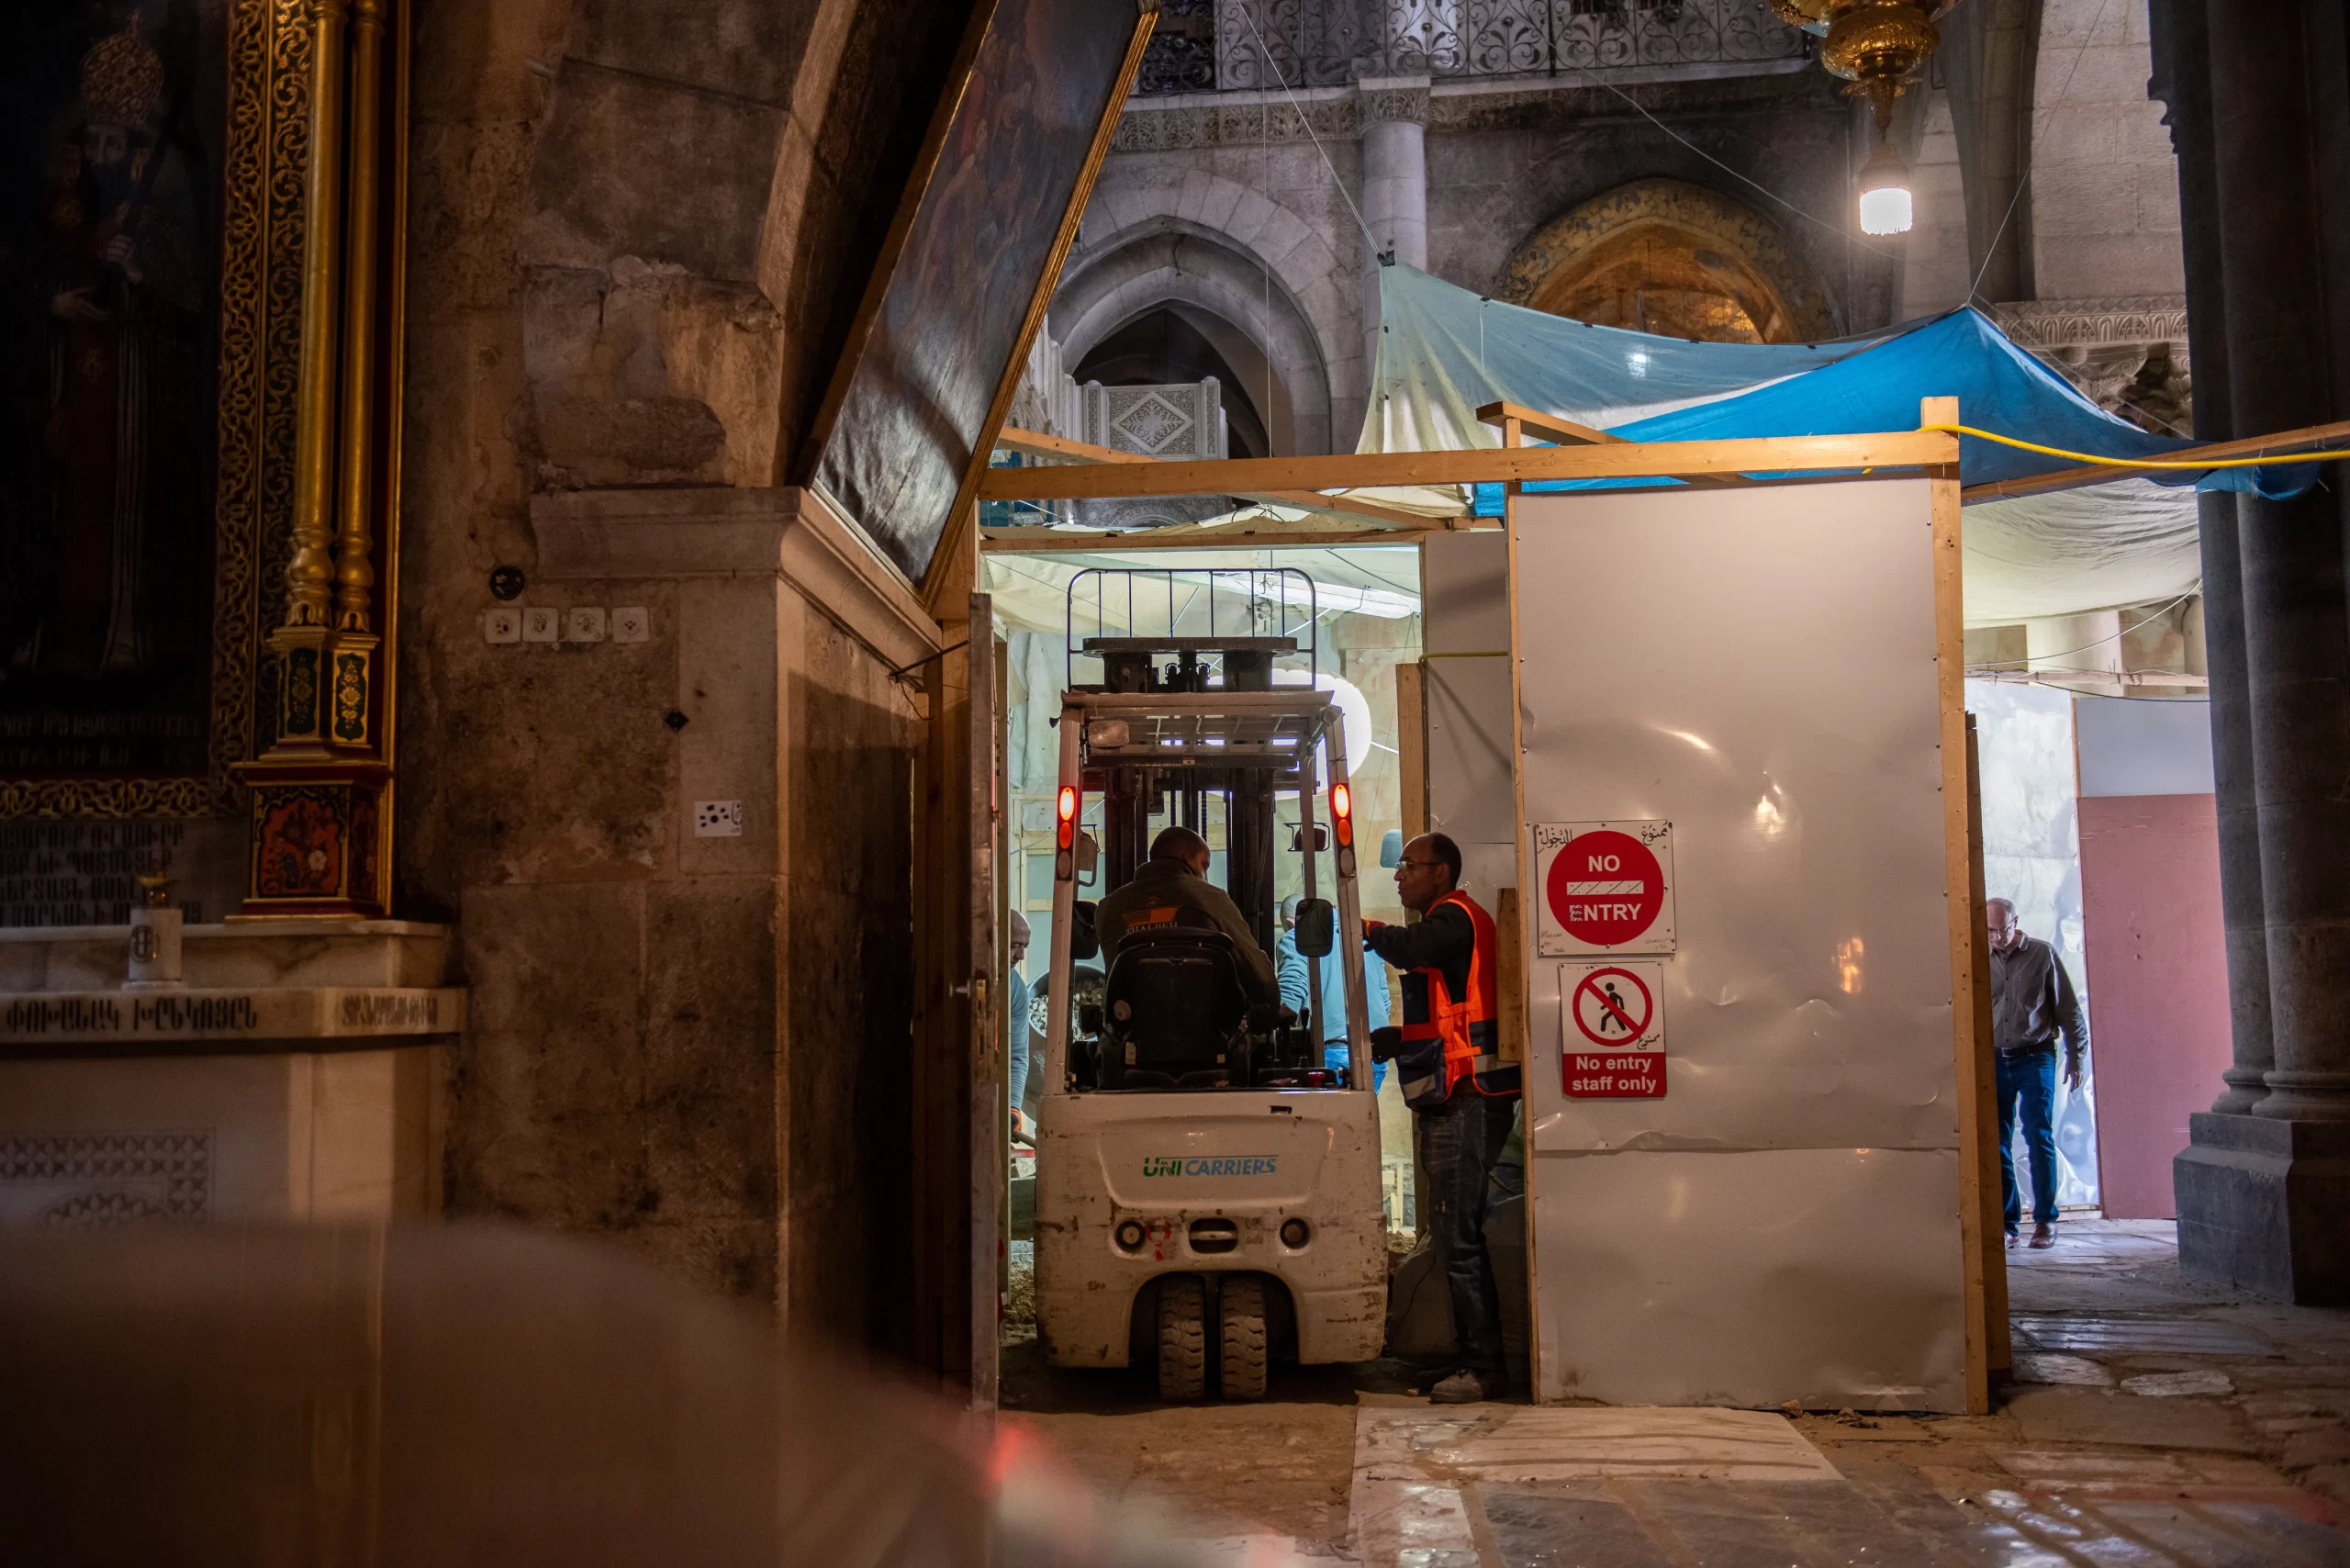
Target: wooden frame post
(1968, 965)
(1999, 1351)
(1412, 746)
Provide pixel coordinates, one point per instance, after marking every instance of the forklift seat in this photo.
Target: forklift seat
(1175, 1015)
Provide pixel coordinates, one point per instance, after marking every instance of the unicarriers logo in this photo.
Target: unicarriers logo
(1210, 1165)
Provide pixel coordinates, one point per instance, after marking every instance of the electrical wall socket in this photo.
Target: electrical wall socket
(584, 623)
(502, 624)
(542, 623)
(718, 819)
(631, 623)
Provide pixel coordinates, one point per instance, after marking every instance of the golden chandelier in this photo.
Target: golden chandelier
(1877, 45)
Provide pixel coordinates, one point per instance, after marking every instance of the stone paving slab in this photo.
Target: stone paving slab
(2084, 1416)
(2175, 1336)
(2178, 1428)
(1514, 1443)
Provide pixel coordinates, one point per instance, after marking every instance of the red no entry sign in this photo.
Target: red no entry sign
(1606, 888)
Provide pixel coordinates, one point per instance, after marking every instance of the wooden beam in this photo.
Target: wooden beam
(1509, 977)
(1534, 421)
(1998, 1337)
(1517, 420)
(1035, 443)
(1184, 536)
(1867, 453)
(1412, 745)
(1958, 850)
(2283, 444)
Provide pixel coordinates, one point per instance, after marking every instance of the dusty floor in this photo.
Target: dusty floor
(2155, 1420)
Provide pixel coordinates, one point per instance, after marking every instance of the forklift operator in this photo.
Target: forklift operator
(1172, 888)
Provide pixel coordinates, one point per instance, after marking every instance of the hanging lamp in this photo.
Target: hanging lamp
(1878, 46)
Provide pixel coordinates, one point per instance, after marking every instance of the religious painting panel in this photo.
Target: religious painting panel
(921, 385)
(150, 164)
(1663, 256)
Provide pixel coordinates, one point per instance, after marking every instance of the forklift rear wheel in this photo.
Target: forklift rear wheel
(1182, 1336)
(1241, 1306)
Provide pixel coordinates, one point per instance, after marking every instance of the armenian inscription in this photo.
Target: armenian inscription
(82, 873)
(58, 1020)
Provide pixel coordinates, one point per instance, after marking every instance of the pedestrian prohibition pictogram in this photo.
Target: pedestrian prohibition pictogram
(1613, 1007)
(1612, 1030)
(1606, 887)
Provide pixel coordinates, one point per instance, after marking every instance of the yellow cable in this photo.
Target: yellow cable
(2192, 467)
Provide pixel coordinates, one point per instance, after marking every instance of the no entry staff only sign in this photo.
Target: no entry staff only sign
(1606, 887)
(1612, 1030)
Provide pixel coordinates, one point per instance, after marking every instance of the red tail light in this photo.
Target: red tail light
(1067, 815)
(1342, 811)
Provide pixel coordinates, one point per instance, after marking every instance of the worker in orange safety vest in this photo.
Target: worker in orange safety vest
(1463, 1095)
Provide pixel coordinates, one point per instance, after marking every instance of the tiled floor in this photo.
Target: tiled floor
(2154, 1421)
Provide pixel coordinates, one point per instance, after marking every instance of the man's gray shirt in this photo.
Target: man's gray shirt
(2032, 1000)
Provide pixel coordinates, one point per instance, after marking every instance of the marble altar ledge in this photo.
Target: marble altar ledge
(116, 1023)
(236, 954)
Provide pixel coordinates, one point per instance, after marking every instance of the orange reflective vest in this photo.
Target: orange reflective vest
(1467, 1026)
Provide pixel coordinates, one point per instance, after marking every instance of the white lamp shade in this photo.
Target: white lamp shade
(1886, 207)
(1885, 210)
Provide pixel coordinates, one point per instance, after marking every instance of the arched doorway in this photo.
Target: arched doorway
(1675, 259)
(1251, 321)
(1166, 345)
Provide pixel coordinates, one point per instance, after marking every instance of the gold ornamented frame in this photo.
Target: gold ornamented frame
(265, 172)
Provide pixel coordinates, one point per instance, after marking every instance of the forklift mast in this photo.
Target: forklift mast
(1191, 630)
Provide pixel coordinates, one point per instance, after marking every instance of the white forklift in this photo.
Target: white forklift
(1207, 1189)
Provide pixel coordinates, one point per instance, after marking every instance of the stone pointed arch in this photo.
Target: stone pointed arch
(1662, 255)
(1267, 249)
(1228, 294)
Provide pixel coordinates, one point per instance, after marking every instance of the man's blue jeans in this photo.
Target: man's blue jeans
(2028, 1077)
(1460, 1142)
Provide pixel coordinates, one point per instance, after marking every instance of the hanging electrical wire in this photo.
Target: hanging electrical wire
(2183, 465)
(2030, 659)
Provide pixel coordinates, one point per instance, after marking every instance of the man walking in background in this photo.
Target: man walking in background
(2032, 1005)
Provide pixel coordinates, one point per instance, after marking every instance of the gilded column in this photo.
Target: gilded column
(320, 824)
(300, 641)
(354, 643)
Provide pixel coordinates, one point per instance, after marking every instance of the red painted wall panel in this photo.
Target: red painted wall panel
(2158, 985)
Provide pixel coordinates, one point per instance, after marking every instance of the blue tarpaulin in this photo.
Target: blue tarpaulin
(1443, 351)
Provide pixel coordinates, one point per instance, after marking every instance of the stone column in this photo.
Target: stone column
(2080, 653)
(2297, 633)
(2180, 46)
(2243, 915)
(2264, 1198)
(1395, 166)
(1394, 112)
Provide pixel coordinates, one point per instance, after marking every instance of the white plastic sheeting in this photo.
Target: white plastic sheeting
(2102, 547)
(2032, 856)
(1783, 1224)
(1031, 589)
(1472, 795)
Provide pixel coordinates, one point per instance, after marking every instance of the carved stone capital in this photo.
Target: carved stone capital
(2095, 323)
(1391, 99)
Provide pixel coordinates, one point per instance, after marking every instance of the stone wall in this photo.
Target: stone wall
(1252, 237)
(1936, 272)
(2105, 182)
(637, 235)
(1246, 210)
(1499, 170)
